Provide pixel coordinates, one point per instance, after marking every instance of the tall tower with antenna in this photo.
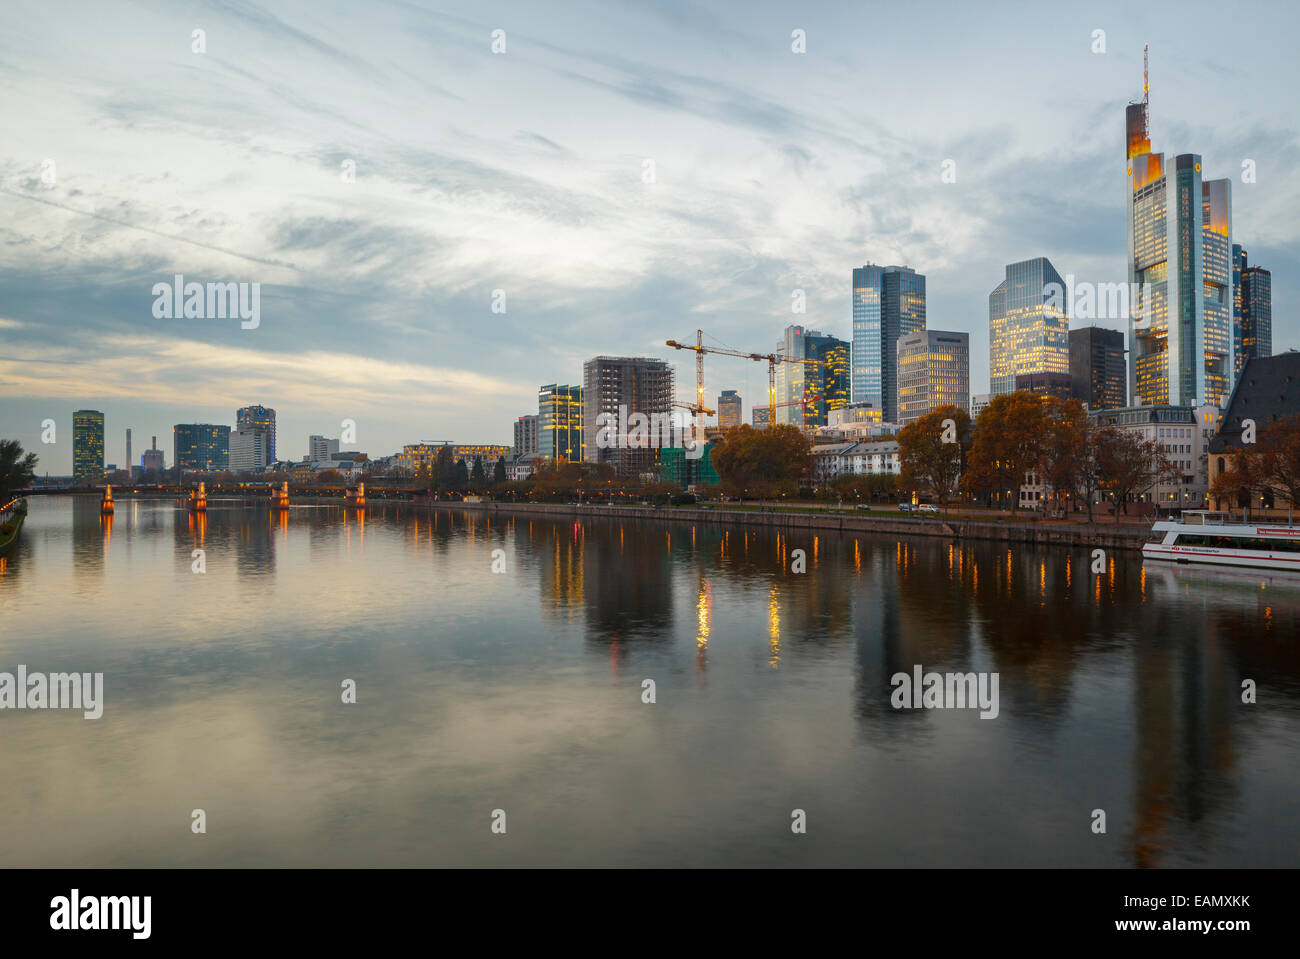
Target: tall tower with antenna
(1138, 115)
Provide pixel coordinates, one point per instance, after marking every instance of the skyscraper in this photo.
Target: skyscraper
(87, 445)
(621, 386)
(200, 446)
(260, 419)
(1028, 326)
(933, 371)
(1256, 311)
(559, 422)
(1098, 376)
(526, 429)
(129, 468)
(730, 411)
(1180, 247)
(888, 302)
(806, 391)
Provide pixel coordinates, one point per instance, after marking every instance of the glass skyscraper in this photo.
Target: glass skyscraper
(1253, 310)
(730, 411)
(888, 302)
(805, 392)
(559, 422)
(1028, 326)
(201, 446)
(1180, 252)
(88, 445)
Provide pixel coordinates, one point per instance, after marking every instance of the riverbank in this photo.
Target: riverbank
(1042, 532)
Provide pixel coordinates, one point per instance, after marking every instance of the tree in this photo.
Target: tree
(1070, 460)
(476, 475)
(330, 477)
(16, 469)
(458, 478)
(1131, 465)
(1010, 436)
(761, 462)
(499, 471)
(932, 451)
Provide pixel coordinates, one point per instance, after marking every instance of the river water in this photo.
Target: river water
(517, 697)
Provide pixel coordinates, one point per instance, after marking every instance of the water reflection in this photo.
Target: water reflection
(1120, 689)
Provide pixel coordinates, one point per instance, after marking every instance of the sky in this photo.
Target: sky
(387, 178)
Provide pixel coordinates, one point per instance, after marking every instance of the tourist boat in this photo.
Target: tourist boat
(12, 515)
(1205, 536)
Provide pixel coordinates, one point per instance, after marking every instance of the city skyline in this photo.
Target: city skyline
(378, 294)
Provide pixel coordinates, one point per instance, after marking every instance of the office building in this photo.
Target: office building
(730, 410)
(615, 389)
(201, 446)
(261, 419)
(1179, 251)
(761, 417)
(319, 449)
(977, 403)
(526, 430)
(888, 302)
(805, 392)
(249, 450)
(88, 445)
(1253, 319)
(129, 468)
(1028, 325)
(933, 371)
(559, 422)
(1098, 377)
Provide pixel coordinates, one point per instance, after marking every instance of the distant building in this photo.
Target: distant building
(152, 459)
(888, 302)
(730, 410)
(417, 456)
(614, 390)
(977, 403)
(1028, 326)
(319, 448)
(201, 446)
(87, 445)
(130, 469)
(526, 433)
(560, 422)
(1059, 385)
(249, 450)
(258, 418)
(761, 417)
(1098, 377)
(933, 371)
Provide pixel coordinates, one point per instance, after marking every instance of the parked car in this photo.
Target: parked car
(906, 508)
(864, 506)
(929, 508)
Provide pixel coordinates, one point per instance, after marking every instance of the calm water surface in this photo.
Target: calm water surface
(522, 691)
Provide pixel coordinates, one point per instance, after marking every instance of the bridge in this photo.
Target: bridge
(257, 491)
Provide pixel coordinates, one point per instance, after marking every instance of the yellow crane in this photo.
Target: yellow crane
(771, 358)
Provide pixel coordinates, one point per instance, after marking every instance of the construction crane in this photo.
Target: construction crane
(771, 358)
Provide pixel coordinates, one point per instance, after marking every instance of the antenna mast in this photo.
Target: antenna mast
(1146, 93)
